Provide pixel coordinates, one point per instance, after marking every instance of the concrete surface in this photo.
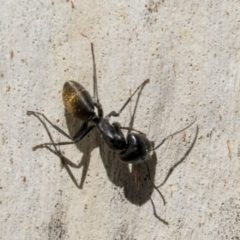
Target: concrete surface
(190, 51)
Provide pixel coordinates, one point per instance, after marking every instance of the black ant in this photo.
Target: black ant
(135, 148)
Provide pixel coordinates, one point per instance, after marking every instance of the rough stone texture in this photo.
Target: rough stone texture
(190, 52)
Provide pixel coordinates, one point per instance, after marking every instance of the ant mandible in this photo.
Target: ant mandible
(135, 148)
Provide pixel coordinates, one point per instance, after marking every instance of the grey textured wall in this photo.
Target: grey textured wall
(190, 52)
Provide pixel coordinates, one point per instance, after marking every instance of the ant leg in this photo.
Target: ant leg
(116, 114)
(75, 137)
(65, 162)
(80, 137)
(134, 111)
(81, 133)
(130, 128)
(54, 126)
(45, 126)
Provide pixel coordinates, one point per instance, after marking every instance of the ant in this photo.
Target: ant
(135, 148)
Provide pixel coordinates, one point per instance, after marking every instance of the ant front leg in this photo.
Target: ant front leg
(114, 114)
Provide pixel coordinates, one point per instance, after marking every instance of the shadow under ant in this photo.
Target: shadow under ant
(135, 181)
(137, 188)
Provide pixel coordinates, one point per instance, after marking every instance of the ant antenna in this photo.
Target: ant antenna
(180, 161)
(171, 135)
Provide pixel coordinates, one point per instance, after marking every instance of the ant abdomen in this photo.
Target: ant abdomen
(78, 101)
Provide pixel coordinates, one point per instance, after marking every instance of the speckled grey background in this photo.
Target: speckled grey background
(190, 51)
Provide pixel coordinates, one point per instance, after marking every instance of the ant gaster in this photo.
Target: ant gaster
(78, 102)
